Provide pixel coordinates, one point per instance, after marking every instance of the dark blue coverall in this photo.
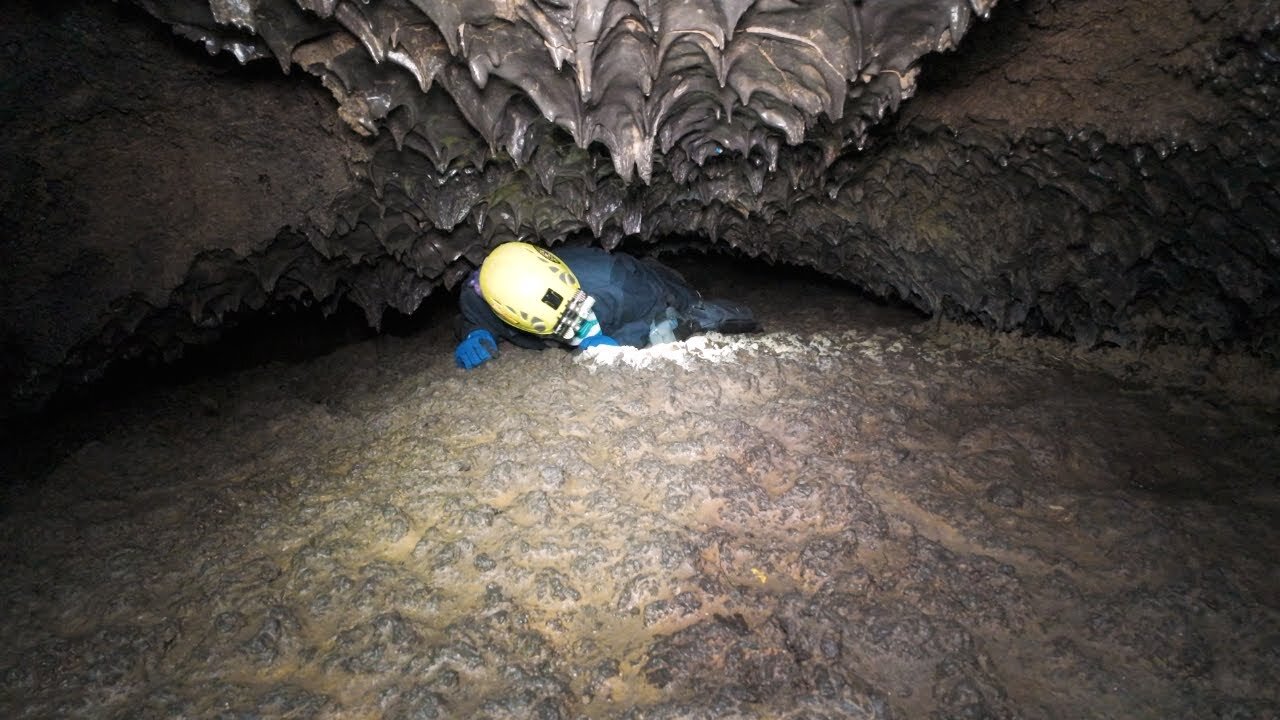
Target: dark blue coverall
(629, 295)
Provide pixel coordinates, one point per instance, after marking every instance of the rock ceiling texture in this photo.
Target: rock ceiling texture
(1104, 171)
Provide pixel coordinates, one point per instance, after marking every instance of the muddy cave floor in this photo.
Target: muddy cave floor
(854, 514)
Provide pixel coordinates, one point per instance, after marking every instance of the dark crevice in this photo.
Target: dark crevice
(32, 443)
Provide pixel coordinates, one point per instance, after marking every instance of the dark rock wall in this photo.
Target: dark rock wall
(127, 155)
(1105, 171)
(1099, 170)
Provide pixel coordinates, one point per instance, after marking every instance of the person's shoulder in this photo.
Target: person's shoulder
(577, 252)
(583, 259)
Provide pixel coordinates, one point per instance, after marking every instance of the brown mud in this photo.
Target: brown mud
(855, 514)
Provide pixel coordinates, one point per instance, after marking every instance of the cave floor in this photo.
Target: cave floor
(854, 514)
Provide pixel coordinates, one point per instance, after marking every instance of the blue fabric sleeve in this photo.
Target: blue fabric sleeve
(634, 333)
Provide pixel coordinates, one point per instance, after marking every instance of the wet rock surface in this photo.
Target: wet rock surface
(132, 163)
(850, 515)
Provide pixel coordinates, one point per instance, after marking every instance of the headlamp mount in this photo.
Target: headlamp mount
(574, 315)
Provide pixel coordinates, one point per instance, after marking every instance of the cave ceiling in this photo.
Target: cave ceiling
(544, 119)
(1101, 171)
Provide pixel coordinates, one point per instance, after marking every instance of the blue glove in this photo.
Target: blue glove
(595, 340)
(471, 352)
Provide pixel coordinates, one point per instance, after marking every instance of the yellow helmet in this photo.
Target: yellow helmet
(533, 290)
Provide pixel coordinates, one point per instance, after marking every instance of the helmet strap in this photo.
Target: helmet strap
(590, 326)
(575, 314)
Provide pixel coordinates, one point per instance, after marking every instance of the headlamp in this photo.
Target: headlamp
(574, 315)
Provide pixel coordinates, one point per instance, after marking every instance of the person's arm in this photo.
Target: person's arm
(479, 329)
(477, 315)
(633, 334)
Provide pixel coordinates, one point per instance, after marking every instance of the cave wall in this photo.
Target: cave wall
(1103, 171)
(128, 154)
